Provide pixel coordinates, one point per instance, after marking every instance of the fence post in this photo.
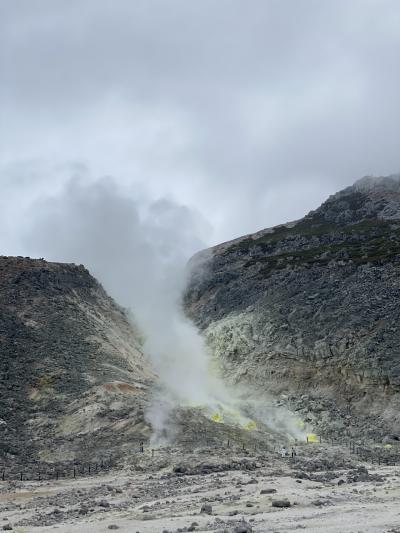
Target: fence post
(3, 475)
(74, 473)
(22, 475)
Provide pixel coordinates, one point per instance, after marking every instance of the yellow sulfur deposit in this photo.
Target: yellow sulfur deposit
(251, 425)
(312, 437)
(216, 417)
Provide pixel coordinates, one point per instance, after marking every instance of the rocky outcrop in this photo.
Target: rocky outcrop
(310, 309)
(73, 377)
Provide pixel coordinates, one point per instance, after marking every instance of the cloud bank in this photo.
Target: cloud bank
(250, 113)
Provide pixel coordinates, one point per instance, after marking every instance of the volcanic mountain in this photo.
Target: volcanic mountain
(309, 310)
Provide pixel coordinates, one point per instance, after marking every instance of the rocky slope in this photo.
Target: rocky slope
(310, 310)
(73, 378)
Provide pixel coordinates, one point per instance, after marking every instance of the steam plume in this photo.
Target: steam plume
(138, 249)
(139, 253)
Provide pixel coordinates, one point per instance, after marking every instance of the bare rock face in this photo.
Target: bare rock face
(73, 378)
(310, 310)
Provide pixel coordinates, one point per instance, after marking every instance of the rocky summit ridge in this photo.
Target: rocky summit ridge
(309, 310)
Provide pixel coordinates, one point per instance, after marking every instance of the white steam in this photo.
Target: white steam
(139, 250)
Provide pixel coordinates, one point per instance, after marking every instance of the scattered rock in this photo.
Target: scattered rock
(268, 491)
(243, 528)
(206, 508)
(281, 503)
(180, 469)
(104, 503)
(319, 503)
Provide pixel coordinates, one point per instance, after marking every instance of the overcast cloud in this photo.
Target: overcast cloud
(251, 113)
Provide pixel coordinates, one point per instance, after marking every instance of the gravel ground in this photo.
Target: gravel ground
(229, 491)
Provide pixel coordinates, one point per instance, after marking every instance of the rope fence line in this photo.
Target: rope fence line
(45, 472)
(375, 453)
(73, 470)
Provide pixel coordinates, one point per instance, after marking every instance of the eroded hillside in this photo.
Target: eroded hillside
(310, 310)
(73, 377)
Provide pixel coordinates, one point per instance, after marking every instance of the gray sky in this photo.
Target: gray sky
(247, 113)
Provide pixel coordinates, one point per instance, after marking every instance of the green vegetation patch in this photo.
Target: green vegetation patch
(315, 227)
(369, 241)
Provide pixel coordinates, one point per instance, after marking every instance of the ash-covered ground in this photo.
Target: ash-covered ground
(174, 489)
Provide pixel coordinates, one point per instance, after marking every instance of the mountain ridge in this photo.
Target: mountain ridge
(309, 308)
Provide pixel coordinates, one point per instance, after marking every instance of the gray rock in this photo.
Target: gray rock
(104, 503)
(243, 528)
(268, 491)
(206, 508)
(281, 503)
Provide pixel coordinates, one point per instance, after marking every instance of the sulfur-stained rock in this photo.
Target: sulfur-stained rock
(309, 310)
